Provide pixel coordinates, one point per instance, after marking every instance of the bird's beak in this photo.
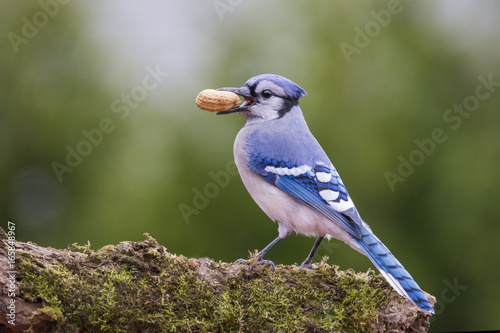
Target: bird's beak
(242, 92)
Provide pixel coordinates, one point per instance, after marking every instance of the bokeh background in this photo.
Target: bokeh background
(131, 70)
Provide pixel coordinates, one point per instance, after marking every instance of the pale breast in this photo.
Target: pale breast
(280, 206)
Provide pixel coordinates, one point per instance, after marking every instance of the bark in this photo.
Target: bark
(140, 287)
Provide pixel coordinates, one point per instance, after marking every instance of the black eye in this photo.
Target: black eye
(267, 93)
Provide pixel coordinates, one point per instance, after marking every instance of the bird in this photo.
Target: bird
(290, 177)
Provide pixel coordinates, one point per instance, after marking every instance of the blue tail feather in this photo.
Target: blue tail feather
(392, 270)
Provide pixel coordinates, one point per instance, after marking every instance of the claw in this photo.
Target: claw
(259, 262)
(267, 262)
(306, 265)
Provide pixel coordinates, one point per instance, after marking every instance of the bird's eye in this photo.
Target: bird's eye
(267, 93)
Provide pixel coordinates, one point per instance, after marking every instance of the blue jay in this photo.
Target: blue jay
(290, 177)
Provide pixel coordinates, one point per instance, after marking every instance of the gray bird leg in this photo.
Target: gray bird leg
(307, 262)
(263, 252)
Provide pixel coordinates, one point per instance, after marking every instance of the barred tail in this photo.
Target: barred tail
(392, 270)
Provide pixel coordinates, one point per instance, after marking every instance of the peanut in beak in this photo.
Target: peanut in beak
(216, 101)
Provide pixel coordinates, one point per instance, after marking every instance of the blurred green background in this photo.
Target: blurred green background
(100, 139)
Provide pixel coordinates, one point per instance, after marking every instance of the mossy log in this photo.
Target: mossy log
(140, 287)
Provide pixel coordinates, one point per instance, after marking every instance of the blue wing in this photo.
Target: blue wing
(319, 187)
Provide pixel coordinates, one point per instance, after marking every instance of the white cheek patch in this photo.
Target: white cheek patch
(264, 112)
(269, 109)
(295, 171)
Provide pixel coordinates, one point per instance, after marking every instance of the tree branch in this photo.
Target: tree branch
(139, 286)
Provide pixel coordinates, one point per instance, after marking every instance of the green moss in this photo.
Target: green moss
(44, 282)
(141, 287)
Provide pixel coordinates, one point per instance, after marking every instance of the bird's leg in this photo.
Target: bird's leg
(263, 252)
(307, 262)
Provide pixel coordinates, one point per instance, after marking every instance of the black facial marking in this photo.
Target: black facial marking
(288, 103)
(252, 90)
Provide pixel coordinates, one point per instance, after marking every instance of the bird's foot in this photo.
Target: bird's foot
(304, 265)
(307, 264)
(260, 261)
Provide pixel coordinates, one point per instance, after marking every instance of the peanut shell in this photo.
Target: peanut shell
(215, 100)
